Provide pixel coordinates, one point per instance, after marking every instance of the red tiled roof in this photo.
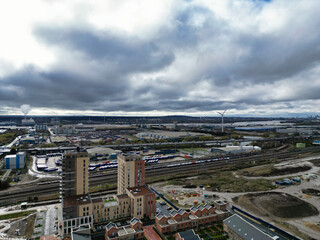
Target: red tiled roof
(150, 234)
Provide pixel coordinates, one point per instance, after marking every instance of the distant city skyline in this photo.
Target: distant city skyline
(162, 57)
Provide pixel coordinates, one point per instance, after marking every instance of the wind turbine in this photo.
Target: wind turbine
(222, 114)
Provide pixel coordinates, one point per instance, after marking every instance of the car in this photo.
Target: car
(169, 208)
(162, 203)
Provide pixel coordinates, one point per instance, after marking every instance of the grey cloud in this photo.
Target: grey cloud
(114, 60)
(130, 55)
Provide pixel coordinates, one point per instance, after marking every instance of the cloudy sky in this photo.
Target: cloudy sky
(160, 57)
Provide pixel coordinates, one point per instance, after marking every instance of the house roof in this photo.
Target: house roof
(111, 225)
(133, 221)
(160, 215)
(189, 235)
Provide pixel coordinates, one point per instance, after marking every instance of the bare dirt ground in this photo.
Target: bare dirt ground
(273, 171)
(312, 192)
(316, 162)
(275, 204)
(23, 226)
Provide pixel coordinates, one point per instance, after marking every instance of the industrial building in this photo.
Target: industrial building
(28, 122)
(169, 134)
(134, 199)
(41, 127)
(235, 149)
(28, 140)
(59, 139)
(15, 161)
(100, 153)
(238, 228)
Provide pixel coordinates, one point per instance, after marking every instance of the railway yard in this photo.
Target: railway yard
(245, 180)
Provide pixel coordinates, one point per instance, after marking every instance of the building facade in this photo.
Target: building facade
(181, 220)
(132, 231)
(134, 199)
(15, 161)
(131, 172)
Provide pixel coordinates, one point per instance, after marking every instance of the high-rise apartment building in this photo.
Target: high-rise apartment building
(131, 172)
(75, 176)
(134, 199)
(74, 191)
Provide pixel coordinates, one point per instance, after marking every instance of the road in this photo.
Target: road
(50, 219)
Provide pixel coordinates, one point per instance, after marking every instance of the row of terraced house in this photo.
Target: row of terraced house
(198, 216)
(176, 221)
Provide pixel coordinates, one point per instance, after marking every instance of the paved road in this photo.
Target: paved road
(51, 215)
(6, 175)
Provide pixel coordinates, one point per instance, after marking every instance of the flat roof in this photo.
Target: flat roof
(122, 196)
(245, 229)
(138, 191)
(76, 200)
(189, 235)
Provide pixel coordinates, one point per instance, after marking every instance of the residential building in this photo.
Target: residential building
(131, 172)
(187, 235)
(238, 228)
(134, 199)
(76, 203)
(181, 220)
(132, 231)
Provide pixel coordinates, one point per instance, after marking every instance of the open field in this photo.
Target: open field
(270, 171)
(226, 182)
(16, 215)
(25, 227)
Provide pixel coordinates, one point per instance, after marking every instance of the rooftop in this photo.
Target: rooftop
(125, 230)
(189, 235)
(133, 221)
(76, 200)
(122, 196)
(138, 191)
(245, 229)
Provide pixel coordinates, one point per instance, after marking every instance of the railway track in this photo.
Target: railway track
(110, 176)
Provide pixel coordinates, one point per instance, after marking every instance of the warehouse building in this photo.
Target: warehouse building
(59, 139)
(15, 161)
(235, 149)
(100, 153)
(169, 134)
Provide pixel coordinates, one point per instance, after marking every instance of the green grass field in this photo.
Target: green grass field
(16, 215)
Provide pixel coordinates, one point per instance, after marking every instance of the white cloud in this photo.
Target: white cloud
(160, 57)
